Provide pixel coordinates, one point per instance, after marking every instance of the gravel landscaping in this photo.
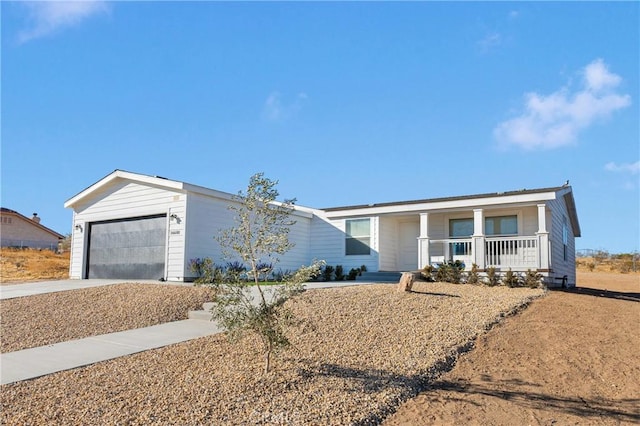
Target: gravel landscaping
(358, 353)
(57, 317)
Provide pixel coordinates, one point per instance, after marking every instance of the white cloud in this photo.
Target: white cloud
(490, 41)
(554, 120)
(49, 17)
(633, 168)
(275, 109)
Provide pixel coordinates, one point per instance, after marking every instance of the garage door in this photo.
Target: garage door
(128, 248)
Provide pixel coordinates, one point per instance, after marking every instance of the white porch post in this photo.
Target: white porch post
(543, 238)
(478, 238)
(424, 257)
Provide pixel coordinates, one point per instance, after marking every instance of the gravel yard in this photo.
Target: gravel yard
(57, 317)
(359, 353)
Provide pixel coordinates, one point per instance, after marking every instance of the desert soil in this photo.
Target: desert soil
(363, 355)
(45, 319)
(569, 358)
(28, 265)
(358, 353)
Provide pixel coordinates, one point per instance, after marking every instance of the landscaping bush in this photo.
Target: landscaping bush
(473, 277)
(492, 277)
(511, 279)
(353, 274)
(339, 273)
(327, 272)
(532, 279)
(450, 272)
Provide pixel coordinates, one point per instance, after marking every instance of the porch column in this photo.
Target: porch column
(543, 238)
(478, 239)
(424, 257)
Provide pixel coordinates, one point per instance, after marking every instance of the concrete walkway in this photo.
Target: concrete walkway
(35, 362)
(10, 291)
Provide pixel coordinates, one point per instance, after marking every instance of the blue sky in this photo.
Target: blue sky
(343, 103)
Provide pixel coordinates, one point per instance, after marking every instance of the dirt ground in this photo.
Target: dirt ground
(27, 265)
(570, 358)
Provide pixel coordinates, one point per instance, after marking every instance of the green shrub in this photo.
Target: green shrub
(492, 277)
(511, 279)
(532, 279)
(339, 273)
(327, 272)
(450, 272)
(353, 273)
(473, 277)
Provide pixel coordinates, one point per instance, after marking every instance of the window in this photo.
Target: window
(501, 225)
(358, 238)
(565, 238)
(460, 228)
(6, 220)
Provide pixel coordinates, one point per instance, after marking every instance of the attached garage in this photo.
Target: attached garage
(127, 248)
(133, 226)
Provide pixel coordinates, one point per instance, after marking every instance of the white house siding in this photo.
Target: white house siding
(205, 218)
(208, 215)
(120, 200)
(328, 243)
(559, 265)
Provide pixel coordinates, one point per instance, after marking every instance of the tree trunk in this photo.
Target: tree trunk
(267, 361)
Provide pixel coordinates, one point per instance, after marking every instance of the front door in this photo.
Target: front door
(408, 259)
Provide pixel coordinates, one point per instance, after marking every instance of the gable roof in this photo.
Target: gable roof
(159, 182)
(8, 212)
(463, 201)
(523, 195)
(445, 199)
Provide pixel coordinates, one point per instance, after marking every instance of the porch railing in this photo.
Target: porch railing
(500, 252)
(450, 250)
(511, 252)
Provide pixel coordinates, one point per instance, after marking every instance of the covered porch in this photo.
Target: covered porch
(498, 239)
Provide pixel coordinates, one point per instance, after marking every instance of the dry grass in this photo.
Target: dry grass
(18, 265)
(615, 264)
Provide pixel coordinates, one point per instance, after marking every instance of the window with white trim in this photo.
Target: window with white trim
(358, 239)
(501, 225)
(565, 238)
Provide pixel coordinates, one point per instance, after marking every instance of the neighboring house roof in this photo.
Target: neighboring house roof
(518, 196)
(8, 212)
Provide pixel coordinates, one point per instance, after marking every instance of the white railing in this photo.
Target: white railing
(450, 250)
(499, 252)
(512, 252)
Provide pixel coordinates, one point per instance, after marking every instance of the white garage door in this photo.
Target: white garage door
(127, 248)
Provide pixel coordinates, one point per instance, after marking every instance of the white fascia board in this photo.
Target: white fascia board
(509, 200)
(121, 174)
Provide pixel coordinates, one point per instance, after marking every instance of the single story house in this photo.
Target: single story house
(129, 225)
(17, 230)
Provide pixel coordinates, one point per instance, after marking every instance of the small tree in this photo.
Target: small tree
(259, 236)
